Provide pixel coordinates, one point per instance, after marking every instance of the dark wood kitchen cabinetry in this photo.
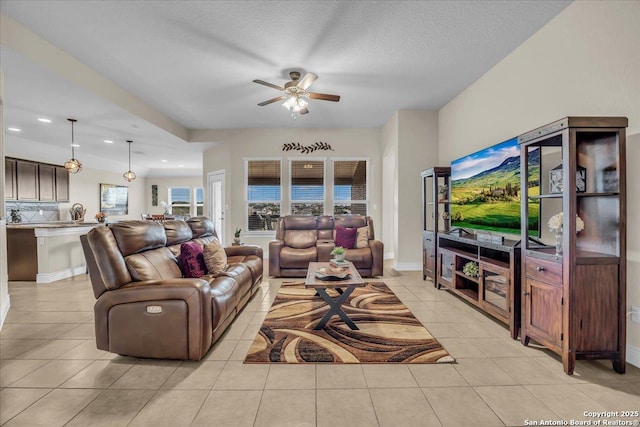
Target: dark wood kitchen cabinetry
(32, 181)
(62, 184)
(47, 182)
(10, 190)
(27, 182)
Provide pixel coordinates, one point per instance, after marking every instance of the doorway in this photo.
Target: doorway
(216, 204)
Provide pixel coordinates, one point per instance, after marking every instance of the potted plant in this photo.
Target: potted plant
(236, 235)
(338, 253)
(471, 269)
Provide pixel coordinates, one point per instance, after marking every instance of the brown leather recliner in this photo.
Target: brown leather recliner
(301, 239)
(144, 307)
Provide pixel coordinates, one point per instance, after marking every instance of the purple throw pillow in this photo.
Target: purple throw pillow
(192, 260)
(345, 237)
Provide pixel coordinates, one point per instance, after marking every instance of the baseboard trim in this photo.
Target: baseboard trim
(4, 310)
(61, 274)
(633, 355)
(407, 266)
(388, 255)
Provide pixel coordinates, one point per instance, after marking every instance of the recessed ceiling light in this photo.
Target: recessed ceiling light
(43, 120)
(164, 161)
(14, 130)
(108, 141)
(75, 145)
(180, 166)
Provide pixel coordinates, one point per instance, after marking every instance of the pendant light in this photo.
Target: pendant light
(73, 165)
(129, 175)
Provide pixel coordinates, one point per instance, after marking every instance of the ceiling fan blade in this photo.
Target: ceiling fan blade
(324, 96)
(262, 82)
(306, 81)
(304, 111)
(271, 101)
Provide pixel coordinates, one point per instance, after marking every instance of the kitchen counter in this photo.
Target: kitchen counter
(46, 252)
(52, 224)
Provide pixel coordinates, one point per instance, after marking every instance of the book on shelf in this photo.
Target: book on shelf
(335, 263)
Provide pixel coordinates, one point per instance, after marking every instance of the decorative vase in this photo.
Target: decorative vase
(236, 240)
(559, 242)
(340, 257)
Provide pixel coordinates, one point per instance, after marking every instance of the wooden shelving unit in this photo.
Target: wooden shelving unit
(574, 300)
(436, 217)
(496, 290)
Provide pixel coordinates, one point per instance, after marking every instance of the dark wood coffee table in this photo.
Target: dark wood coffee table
(343, 287)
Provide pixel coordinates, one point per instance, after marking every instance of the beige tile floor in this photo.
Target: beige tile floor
(51, 373)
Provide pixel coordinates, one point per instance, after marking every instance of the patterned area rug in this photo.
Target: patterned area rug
(389, 333)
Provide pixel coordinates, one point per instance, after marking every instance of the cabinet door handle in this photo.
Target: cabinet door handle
(540, 268)
(525, 293)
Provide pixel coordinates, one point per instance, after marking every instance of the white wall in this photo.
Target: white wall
(4, 278)
(390, 185)
(586, 61)
(84, 188)
(250, 143)
(417, 151)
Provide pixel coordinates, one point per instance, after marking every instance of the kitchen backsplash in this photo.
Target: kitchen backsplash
(34, 211)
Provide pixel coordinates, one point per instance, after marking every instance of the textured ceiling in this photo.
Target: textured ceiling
(194, 61)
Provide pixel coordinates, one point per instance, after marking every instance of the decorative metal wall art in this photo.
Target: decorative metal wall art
(306, 149)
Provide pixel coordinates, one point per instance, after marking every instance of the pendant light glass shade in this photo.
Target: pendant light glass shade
(129, 175)
(73, 165)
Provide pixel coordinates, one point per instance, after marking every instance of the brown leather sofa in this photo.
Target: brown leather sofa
(301, 239)
(144, 307)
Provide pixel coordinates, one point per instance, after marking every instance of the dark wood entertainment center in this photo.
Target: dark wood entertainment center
(566, 289)
(496, 289)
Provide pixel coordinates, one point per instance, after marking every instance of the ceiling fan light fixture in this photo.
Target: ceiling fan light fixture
(295, 103)
(129, 175)
(73, 165)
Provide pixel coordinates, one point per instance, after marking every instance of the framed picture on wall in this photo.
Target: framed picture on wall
(114, 199)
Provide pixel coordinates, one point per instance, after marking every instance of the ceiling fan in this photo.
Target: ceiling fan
(295, 93)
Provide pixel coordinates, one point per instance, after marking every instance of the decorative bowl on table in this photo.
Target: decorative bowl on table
(332, 273)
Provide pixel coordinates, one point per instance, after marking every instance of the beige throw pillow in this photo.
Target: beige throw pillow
(215, 257)
(362, 238)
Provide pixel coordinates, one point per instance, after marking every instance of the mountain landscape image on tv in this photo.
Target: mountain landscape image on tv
(485, 189)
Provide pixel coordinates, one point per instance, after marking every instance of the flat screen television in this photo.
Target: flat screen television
(485, 189)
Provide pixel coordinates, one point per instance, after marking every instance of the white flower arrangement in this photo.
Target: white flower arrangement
(555, 223)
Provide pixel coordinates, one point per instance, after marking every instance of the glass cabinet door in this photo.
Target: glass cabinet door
(429, 207)
(495, 289)
(442, 211)
(446, 266)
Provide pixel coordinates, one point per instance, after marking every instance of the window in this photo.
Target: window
(199, 201)
(263, 194)
(307, 187)
(181, 203)
(180, 200)
(350, 187)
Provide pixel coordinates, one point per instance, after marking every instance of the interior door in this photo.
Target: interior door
(216, 202)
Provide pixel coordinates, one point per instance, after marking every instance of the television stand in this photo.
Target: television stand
(495, 288)
(459, 231)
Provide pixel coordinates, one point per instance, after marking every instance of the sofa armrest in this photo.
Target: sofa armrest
(275, 246)
(377, 257)
(196, 293)
(245, 250)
